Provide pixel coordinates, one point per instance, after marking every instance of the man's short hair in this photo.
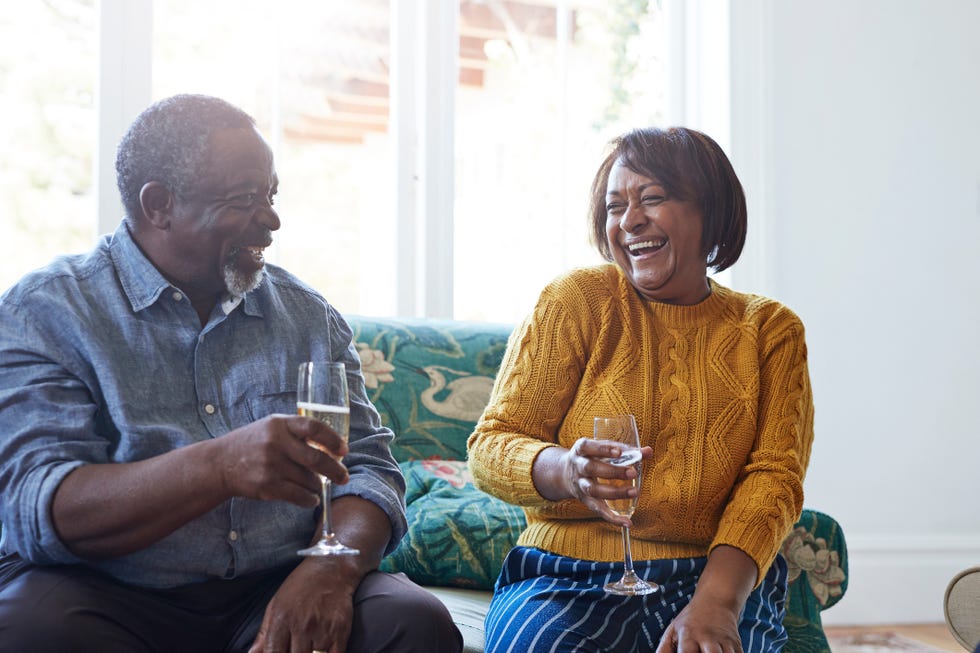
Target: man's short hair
(168, 143)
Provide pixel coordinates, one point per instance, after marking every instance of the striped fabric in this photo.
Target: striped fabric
(546, 603)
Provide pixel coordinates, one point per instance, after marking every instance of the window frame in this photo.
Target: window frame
(424, 44)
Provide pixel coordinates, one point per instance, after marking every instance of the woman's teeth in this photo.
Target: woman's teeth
(637, 248)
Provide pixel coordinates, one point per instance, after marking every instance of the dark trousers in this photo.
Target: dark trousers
(74, 609)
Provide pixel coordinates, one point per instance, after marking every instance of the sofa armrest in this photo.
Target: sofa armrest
(816, 555)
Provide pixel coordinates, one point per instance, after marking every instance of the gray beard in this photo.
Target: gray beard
(238, 283)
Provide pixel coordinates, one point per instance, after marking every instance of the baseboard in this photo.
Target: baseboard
(901, 580)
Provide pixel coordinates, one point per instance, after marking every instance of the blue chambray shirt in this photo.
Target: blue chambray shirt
(102, 360)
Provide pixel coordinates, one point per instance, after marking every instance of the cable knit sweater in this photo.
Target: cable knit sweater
(720, 391)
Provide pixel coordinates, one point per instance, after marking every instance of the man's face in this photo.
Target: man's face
(218, 234)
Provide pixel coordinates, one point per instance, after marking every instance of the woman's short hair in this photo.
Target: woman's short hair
(690, 166)
(168, 143)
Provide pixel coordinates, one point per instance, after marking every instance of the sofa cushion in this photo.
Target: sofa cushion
(457, 535)
(429, 379)
(469, 611)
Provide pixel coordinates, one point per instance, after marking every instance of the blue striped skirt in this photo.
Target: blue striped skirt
(549, 603)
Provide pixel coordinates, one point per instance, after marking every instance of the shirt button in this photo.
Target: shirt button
(233, 536)
(209, 409)
(177, 296)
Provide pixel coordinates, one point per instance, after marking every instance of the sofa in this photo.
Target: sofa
(430, 380)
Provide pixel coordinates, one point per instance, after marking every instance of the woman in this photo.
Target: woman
(718, 383)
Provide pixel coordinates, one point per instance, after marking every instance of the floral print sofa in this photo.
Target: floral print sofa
(430, 380)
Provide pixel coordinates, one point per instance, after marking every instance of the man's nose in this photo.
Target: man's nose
(268, 217)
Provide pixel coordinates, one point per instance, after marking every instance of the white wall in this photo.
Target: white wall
(867, 153)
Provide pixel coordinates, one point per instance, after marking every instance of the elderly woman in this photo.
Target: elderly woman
(718, 383)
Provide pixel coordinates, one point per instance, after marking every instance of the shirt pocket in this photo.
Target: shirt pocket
(270, 403)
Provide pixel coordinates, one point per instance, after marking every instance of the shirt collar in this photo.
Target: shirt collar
(143, 283)
(230, 302)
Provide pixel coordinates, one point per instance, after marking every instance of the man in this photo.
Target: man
(156, 482)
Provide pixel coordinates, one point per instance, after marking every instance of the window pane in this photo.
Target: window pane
(541, 92)
(314, 75)
(47, 76)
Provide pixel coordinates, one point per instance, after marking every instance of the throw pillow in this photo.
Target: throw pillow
(457, 535)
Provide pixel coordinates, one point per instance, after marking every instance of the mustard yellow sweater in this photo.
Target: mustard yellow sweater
(720, 390)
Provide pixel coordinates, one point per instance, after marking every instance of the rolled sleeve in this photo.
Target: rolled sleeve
(374, 473)
(38, 541)
(44, 416)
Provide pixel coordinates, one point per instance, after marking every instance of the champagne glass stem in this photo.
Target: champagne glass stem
(627, 555)
(325, 490)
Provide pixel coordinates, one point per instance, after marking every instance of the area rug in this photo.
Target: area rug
(877, 643)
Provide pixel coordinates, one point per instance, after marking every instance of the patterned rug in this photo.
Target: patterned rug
(878, 643)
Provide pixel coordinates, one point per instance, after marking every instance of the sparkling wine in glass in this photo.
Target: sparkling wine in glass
(322, 394)
(622, 429)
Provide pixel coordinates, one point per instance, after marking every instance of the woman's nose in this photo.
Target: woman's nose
(632, 219)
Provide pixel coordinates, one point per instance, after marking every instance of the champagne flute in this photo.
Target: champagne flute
(322, 394)
(622, 429)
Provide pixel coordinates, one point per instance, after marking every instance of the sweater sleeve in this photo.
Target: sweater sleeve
(537, 382)
(768, 494)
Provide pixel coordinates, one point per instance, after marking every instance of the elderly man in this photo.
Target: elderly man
(156, 482)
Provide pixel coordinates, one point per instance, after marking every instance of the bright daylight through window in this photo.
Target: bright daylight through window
(540, 87)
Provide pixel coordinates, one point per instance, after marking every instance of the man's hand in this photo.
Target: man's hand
(314, 607)
(312, 611)
(271, 460)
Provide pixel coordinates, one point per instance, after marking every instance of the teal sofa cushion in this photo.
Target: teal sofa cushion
(429, 379)
(457, 535)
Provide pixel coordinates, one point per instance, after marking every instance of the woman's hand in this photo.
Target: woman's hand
(579, 473)
(702, 626)
(710, 621)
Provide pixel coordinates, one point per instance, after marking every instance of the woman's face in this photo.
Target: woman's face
(655, 239)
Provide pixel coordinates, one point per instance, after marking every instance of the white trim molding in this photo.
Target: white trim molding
(123, 89)
(751, 149)
(404, 126)
(900, 579)
(439, 50)
(425, 45)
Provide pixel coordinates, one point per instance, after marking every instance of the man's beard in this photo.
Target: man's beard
(238, 282)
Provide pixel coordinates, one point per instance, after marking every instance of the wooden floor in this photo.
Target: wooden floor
(935, 636)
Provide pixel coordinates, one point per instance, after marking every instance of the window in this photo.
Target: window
(290, 66)
(47, 76)
(435, 157)
(543, 88)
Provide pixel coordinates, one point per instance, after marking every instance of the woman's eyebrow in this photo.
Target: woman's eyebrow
(642, 187)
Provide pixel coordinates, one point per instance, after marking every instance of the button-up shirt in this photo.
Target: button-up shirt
(102, 360)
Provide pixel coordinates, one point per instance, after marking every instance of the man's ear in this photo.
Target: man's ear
(158, 203)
